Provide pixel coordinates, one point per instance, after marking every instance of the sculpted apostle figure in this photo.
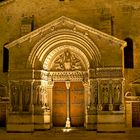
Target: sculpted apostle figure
(105, 95)
(14, 97)
(117, 93)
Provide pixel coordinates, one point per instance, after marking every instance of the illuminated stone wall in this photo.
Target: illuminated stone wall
(119, 18)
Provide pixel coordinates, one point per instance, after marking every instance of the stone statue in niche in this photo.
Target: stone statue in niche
(93, 90)
(26, 96)
(45, 99)
(117, 94)
(105, 95)
(99, 107)
(15, 97)
(43, 96)
(67, 61)
(40, 96)
(37, 96)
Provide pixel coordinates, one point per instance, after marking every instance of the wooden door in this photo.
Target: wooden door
(77, 104)
(135, 114)
(2, 115)
(59, 104)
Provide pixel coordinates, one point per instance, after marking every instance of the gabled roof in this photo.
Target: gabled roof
(65, 22)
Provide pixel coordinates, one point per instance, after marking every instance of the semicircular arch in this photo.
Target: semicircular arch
(63, 37)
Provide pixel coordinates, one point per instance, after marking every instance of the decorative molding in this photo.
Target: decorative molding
(61, 38)
(109, 72)
(132, 98)
(67, 75)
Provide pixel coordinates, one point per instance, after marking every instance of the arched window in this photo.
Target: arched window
(128, 54)
(5, 59)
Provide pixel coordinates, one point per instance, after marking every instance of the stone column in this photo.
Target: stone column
(68, 104)
(50, 97)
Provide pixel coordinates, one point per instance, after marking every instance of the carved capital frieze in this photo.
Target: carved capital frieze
(109, 72)
(67, 75)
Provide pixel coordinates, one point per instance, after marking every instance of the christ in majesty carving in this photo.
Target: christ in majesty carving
(67, 61)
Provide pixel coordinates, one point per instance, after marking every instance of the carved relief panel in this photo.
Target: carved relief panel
(105, 92)
(26, 95)
(40, 96)
(20, 93)
(15, 95)
(111, 95)
(93, 92)
(117, 92)
(67, 61)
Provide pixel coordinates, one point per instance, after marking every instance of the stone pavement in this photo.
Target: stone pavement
(74, 134)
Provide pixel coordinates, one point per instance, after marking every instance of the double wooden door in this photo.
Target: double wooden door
(76, 103)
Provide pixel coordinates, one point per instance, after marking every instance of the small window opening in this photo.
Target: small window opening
(5, 59)
(128, 54)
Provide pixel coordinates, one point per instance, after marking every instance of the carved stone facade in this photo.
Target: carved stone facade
(20, 94)
(66, 55)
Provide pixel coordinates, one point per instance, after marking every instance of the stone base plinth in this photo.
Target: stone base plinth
(111, 122)
(17, 122)
(42, 121)
(91, 122)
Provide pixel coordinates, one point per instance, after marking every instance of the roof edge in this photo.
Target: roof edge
(62, 19)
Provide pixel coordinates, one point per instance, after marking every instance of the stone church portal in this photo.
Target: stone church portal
(63, 77)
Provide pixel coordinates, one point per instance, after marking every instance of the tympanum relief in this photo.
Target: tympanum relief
(67, 61)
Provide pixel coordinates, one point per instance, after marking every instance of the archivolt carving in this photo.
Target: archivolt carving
(67, 61)
(67, 37)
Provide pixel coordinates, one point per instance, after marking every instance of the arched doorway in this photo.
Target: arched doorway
(76, 104)
(68, 100)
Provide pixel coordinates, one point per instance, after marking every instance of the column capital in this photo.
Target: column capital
(50, 83)
(67, 84)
